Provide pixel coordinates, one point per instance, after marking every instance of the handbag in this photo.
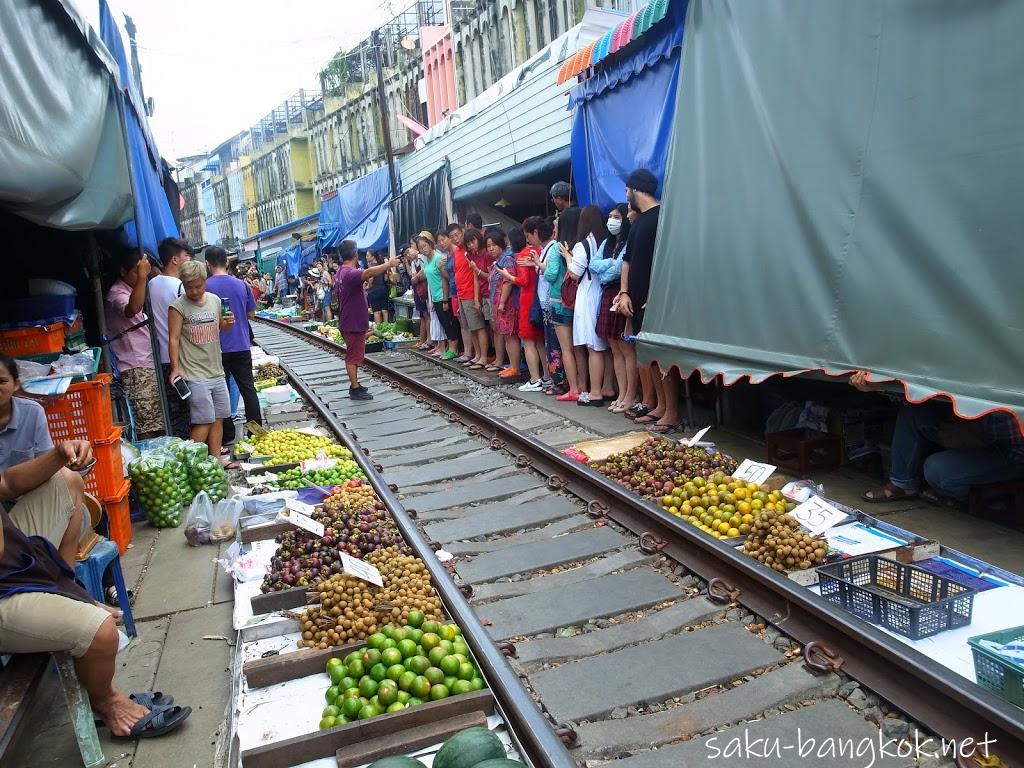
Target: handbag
(570, 286)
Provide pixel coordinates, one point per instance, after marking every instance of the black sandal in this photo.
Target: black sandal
(158, 722)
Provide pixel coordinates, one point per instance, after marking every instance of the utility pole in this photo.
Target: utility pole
(383, 105)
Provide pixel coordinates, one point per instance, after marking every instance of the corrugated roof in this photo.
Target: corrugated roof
(632, 28)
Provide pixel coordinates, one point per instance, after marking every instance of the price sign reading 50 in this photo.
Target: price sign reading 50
(753, 471)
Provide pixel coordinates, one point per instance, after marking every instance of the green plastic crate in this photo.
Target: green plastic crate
(997, 673)
(52, 356)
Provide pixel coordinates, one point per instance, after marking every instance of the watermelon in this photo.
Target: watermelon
(469, 748)
(397, 761)
(500, 762)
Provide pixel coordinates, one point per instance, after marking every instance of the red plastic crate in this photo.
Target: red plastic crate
(81, 413)
(119, 518)
(38, 340)
(107, 476)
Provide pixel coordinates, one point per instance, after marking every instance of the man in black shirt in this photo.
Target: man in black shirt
(660, 408)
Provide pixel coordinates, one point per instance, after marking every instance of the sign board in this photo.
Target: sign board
(320, 462)
(299, 514)
(696, 438)
(817, 515)
(753, 471)
(361, 570)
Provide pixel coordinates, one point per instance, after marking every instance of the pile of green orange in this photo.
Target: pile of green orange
(400, 667)
(721, 506)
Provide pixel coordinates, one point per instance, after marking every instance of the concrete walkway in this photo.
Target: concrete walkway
(183, 615)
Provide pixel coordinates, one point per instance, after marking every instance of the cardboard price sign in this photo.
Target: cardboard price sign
(361, 570)
(753, 471)
(817, 515)
(696, 438)
(320, 462)
(299, 514)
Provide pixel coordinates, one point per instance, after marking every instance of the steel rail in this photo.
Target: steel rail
(533, 732)
(942, 701)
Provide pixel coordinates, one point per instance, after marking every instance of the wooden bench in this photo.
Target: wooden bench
(20, 681)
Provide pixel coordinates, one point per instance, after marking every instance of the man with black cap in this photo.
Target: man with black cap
(634, 283)
(561, 195)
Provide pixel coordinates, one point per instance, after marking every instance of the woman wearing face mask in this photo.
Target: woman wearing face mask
(606, 269)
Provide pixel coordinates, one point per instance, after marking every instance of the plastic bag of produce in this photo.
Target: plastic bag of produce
(161, 483)
(205, 473)
(197, 524)
(191, 452)
(224, 521)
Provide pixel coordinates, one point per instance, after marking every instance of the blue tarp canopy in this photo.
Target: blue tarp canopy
(153, 217)
(298, 257)
(624, 112)
(357, 211)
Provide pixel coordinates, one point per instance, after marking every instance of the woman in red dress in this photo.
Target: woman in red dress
(531, 334)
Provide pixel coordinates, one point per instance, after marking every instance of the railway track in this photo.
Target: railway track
(644, 642)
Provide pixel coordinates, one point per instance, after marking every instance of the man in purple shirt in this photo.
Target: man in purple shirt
(353, 311)
(236, 342)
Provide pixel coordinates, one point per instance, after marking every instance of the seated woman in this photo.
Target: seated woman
(42, 609)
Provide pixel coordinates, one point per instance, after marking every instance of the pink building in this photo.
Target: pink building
(438, 72)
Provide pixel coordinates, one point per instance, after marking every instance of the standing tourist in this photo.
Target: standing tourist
(610, 324)
(540, 234)
(555, 273)
(474, 306)
(236, 342)
(561, 196)
(463, 280)
(130, 344)
(377, 293)
(194, 323)
(588, 301)
(353, 314)
(530, 332)
(444, 327)
(164, 291)
(505, 295)
(280, 283)
(635, 281)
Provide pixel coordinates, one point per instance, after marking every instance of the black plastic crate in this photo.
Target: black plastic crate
(904, 598)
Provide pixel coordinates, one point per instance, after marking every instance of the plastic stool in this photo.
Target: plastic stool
(81, 712)
(90, 572)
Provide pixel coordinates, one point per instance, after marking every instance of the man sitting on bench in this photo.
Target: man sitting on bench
(42, 609)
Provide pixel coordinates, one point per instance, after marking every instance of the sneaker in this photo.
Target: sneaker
(545, 383)
(531, 386)
(359, 394)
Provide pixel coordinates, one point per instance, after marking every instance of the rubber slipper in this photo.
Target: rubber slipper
(886, 493)
(645, 419)
(664, 429)
(637, 411)
(475, 367)
(231, 465)
(493, 369)
(158, 722)
(148, 699)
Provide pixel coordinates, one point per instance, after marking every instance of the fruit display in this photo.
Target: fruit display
(341, 473)
(330, 333)
(270, 371)
(351, 609)
(350, 497)
(207, 474)
(404, 666)
(302, 558)
(655, 467)
(286, 446)
(777, 540)
(470, 748)
(721, 506)
(162, 485)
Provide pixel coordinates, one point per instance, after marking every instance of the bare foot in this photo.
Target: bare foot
(119, 713)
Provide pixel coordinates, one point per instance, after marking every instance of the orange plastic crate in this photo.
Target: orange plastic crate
(38, 340)
(107, 476)
(81, 413)
(119, 518)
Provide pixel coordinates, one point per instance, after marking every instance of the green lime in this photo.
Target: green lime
(351, 693)
(333, 662)
(415, 618)
(430, 626)
(391, 656)
(396, 707)
(378, 672)
(477, 683)
(415, 701)
(447, 645)
(390, 643)
(404, 696)
(435, 655)
(450, 631)
(356, 668)
(450, 665)
(438, 692)
(405, 681)
(337, 673)
(460, 647)
(416, 635)
(420, 687)
(418, 664)
(327, 722)
(407, 648)
(461, 686)
(376, 640)
(330, 711)
(371, 656)
(347, 682)
(434, 675)
(387, 694)
(350, 707)
(450, 681)
(332, 694)
(429, 641)
(387, 630)
(400, 633)
(370, 710)
(367, 686)
(395, 672)
(466, 671)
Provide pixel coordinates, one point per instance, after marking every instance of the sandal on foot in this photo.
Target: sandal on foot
(147, 699)
(493, 368)
(475, 367)
(646, 419)
(637, 411)
(158, 721)
(887, 492)
(664, 429)
(110, 597)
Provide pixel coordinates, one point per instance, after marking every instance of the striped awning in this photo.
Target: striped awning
(626, 32)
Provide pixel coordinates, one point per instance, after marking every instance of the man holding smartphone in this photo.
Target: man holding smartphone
(194, 323)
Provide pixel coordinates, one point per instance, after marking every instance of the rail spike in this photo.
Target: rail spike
(821, 658)
(722, 592)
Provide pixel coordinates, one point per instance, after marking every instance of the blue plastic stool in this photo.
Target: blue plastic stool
(90, 572)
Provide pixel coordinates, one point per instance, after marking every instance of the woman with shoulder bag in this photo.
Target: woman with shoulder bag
(592, 231)
(556, 273)
(611, 324)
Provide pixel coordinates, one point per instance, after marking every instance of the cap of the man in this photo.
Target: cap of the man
(561, 189)
(642, 180)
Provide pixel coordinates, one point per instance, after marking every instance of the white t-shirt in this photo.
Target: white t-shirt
(163, 290)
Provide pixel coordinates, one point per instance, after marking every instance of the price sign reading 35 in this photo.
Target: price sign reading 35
(817, 515)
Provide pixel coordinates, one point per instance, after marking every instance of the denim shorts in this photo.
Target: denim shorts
(561, 316)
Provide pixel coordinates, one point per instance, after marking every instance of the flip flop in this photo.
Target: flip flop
(887, 492)
(148, 699)
(231, 465)
(158, 721)
(664, 429)
(618, 409)
(475, 367)
(637, 411)
(493, 368)
(645, 419)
